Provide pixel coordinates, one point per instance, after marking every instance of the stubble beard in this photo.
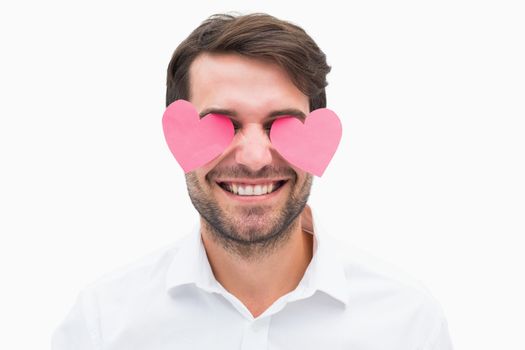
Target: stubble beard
(258, 230)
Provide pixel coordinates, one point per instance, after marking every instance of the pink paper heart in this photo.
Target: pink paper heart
(309, 146)
(194, 141)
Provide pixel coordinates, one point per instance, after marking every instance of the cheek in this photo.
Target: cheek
(192, 184)
(196, 182)
(304, 182)
(301, 174)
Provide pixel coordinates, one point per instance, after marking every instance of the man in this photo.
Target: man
(255, 274)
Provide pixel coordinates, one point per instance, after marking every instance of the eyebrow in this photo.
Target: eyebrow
(272, 115)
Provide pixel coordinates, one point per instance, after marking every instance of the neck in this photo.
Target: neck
(259, 282)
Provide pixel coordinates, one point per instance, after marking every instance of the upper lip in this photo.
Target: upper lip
(250, 181)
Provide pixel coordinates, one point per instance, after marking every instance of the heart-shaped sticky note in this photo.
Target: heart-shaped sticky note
(194, 141)
(309, 146)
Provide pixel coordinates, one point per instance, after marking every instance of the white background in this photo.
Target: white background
(429, 175)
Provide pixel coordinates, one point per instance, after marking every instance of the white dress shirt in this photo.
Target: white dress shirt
(171, 300)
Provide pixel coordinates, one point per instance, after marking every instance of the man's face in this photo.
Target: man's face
(249, 195)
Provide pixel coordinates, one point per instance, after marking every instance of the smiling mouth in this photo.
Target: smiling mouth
(243, 189)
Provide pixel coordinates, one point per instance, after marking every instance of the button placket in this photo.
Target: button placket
(255, 335)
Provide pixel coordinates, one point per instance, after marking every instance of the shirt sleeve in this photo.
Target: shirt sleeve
(80, 329)
(440, 338)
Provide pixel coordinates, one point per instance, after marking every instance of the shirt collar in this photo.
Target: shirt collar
(190, 265)
(325, 272)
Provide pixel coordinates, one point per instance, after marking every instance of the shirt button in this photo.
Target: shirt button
(256, 326)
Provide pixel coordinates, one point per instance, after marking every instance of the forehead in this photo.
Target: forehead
(249, 86)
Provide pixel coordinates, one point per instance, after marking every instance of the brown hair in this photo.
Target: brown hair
(258, 36)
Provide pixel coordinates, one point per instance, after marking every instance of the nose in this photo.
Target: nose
(253, 149)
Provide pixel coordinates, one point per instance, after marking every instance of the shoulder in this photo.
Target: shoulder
(382, 294)
(374, 283)
(145, 275)
(362, 267)
(113, 300)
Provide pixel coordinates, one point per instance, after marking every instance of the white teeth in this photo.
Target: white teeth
(251, 190)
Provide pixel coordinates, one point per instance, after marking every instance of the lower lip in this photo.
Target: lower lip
(254, 198)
